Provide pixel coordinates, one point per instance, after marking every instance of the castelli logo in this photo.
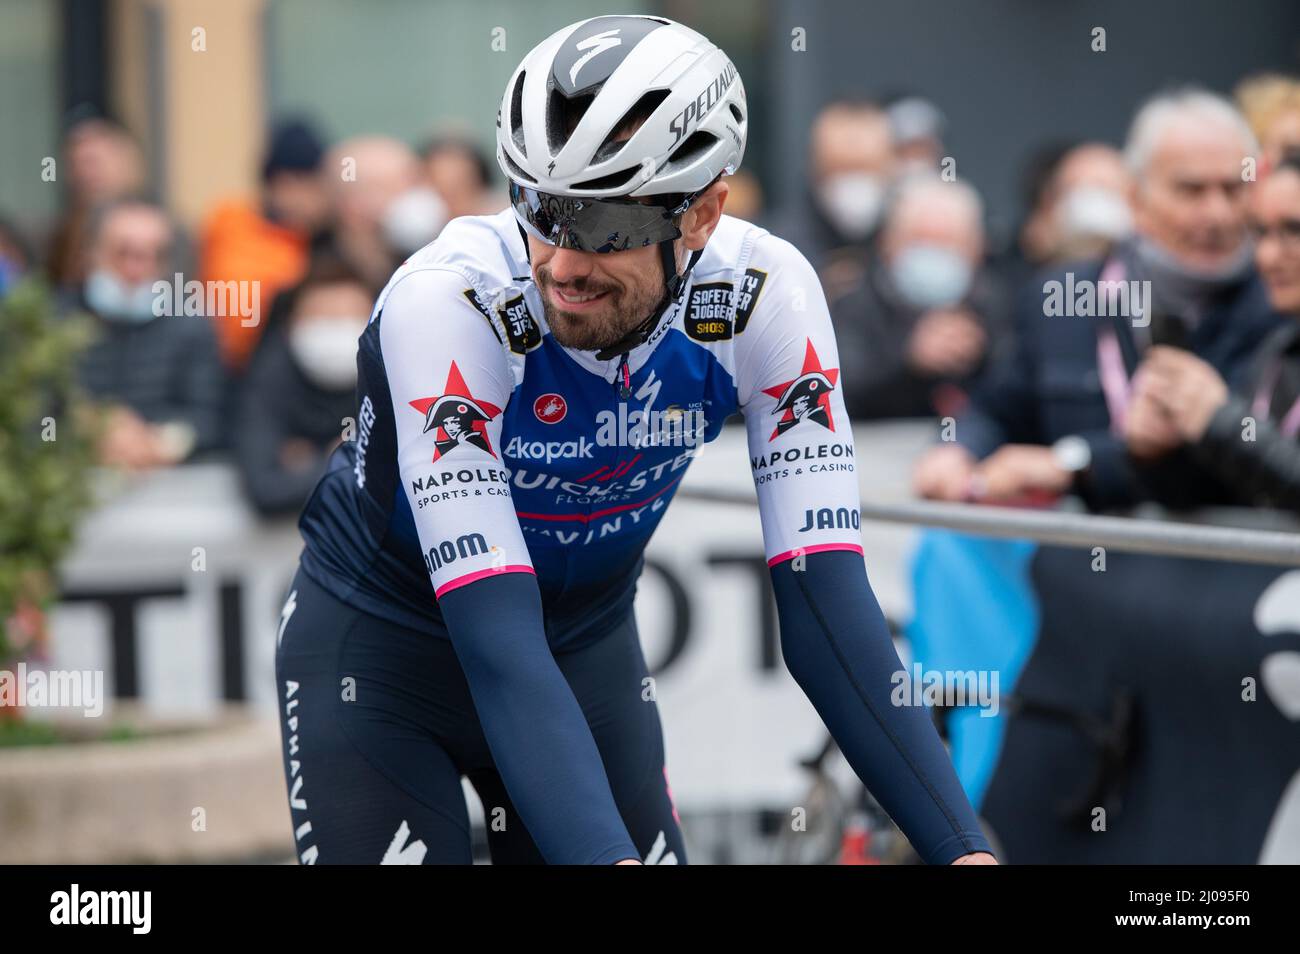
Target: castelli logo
(550, 408)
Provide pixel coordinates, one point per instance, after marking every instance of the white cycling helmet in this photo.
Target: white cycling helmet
(573, 184)
(605, 70)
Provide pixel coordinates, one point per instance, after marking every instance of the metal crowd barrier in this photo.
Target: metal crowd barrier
(1060, 528)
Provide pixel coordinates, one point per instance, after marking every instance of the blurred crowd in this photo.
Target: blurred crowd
(1190, 399)
(267, 375)
(1182, 389)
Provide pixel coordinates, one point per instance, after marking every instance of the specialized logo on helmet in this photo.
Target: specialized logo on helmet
(456, 416)
(585, 44)
(807, 397)
(594, 45)
(695, 110)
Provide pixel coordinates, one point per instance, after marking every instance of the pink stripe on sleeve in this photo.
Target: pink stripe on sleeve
(480, 574)
(791, 554)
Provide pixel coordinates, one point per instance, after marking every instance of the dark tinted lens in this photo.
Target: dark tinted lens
(591, 225)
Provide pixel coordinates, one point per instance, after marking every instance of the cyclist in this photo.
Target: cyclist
(531, 387)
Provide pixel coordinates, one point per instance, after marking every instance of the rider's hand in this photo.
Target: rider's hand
(976, 858)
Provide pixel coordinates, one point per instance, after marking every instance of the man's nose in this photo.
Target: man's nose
(569, 264)
(136, 272)
(1223, 209)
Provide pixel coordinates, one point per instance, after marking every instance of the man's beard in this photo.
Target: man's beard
(621, 312)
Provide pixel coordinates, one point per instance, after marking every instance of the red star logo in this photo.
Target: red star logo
(456, 387)
(812, 387)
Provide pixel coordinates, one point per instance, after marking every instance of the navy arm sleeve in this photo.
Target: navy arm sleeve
(535, 728)
(833, 635)
(837, 646)
(442, 359)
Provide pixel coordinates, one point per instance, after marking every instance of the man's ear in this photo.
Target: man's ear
(702, 217)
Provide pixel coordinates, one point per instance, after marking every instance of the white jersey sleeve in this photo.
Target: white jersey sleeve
(800, 440)
(449, 379)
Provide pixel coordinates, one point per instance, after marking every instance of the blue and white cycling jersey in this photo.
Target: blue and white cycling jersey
(486, 454)
(484, 446)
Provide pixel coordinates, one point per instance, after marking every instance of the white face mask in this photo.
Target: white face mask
(853, 201)
(414, 219)
(1091, 212)
(113, 299)
(930, 276)
(326, 350)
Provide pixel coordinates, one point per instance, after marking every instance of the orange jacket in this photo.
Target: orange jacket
(239, 244)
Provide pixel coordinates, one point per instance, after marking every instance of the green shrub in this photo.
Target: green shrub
(46, 450)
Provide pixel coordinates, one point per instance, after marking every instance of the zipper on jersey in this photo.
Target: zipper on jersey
(623, 378)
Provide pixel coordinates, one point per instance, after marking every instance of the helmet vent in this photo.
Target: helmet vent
(517, 113)
(562, 117)
(735, 111)
(696, 145)
(515, 170)
(613, 181)
(639, 112)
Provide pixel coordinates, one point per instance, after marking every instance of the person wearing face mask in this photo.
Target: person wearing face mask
(414, 218)
(918, 326)
(1248, 438)
(383, 205)
(267, 240)
(1068, 412)
(1079, 207)
(300, 387)
(158, 375)
(851, 166)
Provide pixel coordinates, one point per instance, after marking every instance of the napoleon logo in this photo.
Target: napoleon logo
(456, 417)
(806, 397)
